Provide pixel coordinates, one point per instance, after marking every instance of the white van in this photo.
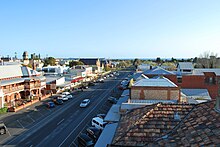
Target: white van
(98, 123)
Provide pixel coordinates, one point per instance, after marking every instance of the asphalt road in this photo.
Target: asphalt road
(62, 127)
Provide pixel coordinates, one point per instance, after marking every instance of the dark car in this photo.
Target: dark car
(112, 100)
(85, 141)
(93, 133)
(50, 104)
(58, 101)
(91, 84)
(2, 128)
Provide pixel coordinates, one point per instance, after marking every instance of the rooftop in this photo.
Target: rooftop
(158, 71)
(154, 125)
(161, 82)
(143, 125)
(185, 65)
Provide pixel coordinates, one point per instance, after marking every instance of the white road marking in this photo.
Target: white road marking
(83, 119)
(60, 122)
(20, 124)
(31, 118)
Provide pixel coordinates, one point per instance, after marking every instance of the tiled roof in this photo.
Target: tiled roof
(200, 128)
(161, 82)
(144, 125)
(155, 126)
(158, 71)
(185, 65)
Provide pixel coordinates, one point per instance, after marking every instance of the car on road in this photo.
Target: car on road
(69, 96)
(93, 133)
(112, 100)
(3, 129)
(85, 141)
(84, 103)
(50, 104)
(58, 101)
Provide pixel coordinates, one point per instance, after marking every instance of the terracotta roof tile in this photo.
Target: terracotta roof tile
(155, 126)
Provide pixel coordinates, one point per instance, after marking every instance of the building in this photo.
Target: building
(155, 89)
(53, 70)
(158, 71)
(170, 125)
(95, 63)
(19, 83)
(184, 68)
(188, 77)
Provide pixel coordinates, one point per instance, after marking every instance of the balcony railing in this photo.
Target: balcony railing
(32, 86)
(13, 89)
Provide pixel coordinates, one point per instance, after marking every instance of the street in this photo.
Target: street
(62, 126)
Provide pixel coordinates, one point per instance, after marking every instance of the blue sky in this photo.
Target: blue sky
(110, 28)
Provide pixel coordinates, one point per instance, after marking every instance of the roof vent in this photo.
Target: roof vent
(176, 116)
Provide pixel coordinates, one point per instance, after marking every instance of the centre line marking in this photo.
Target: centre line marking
(60, 122)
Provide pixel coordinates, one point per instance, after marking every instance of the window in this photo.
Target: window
(179, 80)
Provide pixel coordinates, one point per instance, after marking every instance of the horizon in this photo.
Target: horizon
(110, 29)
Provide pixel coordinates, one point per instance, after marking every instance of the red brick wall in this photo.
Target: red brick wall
(195, 81)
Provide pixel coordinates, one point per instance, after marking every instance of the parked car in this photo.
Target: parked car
(85, 141)
(69, 96)
(101, 115)
(111, 75)
(112, 100)
(50, 104)
(91, 84)
(65, 93)
(93, 133)
(84, 103)
(58, 101)
(3, 129)
(101, 80)
(63, 97)
(107, 76)
(98, 123)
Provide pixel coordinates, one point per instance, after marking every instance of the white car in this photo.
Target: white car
(84, 103)
(65, 93)
(63, 97)
(69, 96)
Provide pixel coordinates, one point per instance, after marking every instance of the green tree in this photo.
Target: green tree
(136, 62)
(49, 61)
(74, 63)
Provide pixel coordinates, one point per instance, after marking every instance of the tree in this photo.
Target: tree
(159, 61)
(136, 62)
(74, 63)
(207, 60)
(49, 61)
